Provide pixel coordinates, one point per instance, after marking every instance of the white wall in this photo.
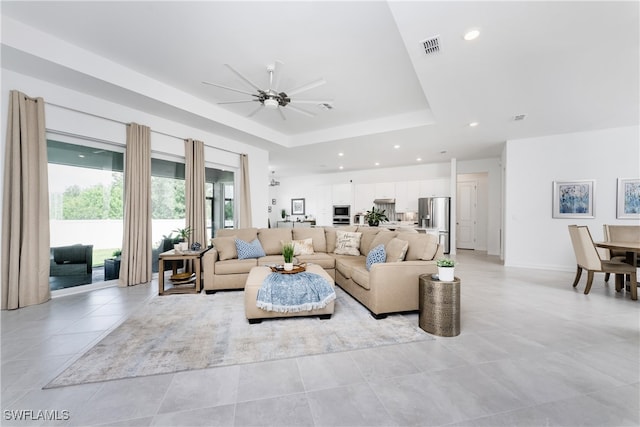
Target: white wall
(76, 122)
(532, 237)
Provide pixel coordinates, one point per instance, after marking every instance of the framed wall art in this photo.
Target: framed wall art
(297, 206)
(573, 199)
(628, 206)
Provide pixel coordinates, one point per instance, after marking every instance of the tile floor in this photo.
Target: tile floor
(533, 352)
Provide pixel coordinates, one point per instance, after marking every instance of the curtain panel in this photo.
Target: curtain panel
(135, 267)
(194, 188)
(245, 192)
(25, 205)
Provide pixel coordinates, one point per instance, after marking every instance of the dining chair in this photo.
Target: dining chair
(588, 258)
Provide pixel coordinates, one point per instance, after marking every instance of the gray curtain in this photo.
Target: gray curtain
(194, 187)
(25, 205)
(135, 267)
(245, 192)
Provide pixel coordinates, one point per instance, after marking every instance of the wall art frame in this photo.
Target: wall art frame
(574, 199)
(628, 198)
(297, 207)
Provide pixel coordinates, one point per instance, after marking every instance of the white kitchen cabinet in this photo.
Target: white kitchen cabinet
(324, 208)
(407, 193)
(341, 194)
(385, 190)
(364, 196)
(435, 188)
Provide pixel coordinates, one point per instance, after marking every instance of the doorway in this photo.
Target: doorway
(472, 211)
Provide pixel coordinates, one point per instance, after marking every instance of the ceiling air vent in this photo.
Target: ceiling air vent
(519, 117)
(431, 45)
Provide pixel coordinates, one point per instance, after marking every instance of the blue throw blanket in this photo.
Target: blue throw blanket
(285, 293)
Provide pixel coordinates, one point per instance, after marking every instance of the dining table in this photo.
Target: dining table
(631, 250)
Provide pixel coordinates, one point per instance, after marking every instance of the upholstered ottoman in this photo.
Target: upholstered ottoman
(255, 315)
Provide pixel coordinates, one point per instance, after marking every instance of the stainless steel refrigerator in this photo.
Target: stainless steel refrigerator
(435, 213)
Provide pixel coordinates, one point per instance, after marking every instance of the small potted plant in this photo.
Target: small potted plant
(182, 239)
(446, 267)
(375, 216)
(287, 253)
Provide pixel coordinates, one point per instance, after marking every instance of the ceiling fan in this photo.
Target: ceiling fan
(271, 98)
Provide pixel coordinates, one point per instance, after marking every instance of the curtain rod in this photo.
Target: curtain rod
(124, 123)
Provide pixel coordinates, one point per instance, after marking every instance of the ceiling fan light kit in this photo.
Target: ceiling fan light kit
(271, 98)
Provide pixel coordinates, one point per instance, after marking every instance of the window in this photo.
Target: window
(220, 213)
(85, 210)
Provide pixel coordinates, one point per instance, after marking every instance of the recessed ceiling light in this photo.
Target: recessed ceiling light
(473, 124)
(377, 164)
(341, 167)
(340, 154)
(471, 35)
(419, 159)
(396, 146)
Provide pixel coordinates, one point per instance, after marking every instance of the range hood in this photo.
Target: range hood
(384, 201)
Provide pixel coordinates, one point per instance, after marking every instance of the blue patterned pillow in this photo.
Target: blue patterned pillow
(249, 250)
(377, 254)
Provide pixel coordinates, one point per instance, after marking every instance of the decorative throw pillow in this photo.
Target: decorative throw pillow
(376, 255)
(347, 243)
(396, 250)
(248, 250)
(301, 247)
(226, 247)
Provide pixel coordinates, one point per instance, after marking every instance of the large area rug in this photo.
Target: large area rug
(182, 332)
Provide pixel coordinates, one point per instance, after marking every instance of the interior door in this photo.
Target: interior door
(466, 214)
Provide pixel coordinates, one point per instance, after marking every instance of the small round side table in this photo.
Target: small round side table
(439, 306)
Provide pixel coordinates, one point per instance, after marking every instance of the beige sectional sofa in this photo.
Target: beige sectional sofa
(387, 287)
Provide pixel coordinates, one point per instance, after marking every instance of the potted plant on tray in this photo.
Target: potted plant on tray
(446, 267)
(375, 216)
(287, 253)
(182, 239)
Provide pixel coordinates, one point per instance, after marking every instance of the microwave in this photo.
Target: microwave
(342, 211)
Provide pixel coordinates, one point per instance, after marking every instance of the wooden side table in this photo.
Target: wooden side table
(174, 257)
(439, 306)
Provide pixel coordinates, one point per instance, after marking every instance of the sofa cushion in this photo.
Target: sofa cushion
(249, 249)
(347, 243)
(271, 259)
(346, 263)
(226, 247)
(383, 237)
(421, 246)
(246, 234)
(368, 234)
(316, 234)
(271, 239)
(376, 255)
(360, 276)
(235, 266)
(330, 234)
(325, 261)
(396, 250)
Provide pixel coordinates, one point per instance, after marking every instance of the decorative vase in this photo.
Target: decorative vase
(445, 274)
(374, 223)
(288, 266)
(177, 248)
(184, 246)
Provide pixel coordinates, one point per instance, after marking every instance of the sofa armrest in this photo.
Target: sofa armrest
(209, 259)
(395, 285)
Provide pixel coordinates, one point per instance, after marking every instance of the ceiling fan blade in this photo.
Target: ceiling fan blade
(237, 73)
(230, 88)
(311, 101)
(282, 113)
(254, 112)
(306, 87)
(237, 102)
(301, 111)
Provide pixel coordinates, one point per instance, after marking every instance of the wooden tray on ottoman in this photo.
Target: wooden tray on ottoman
(297, 268)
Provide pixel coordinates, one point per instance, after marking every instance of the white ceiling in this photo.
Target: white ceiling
(569, 66)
